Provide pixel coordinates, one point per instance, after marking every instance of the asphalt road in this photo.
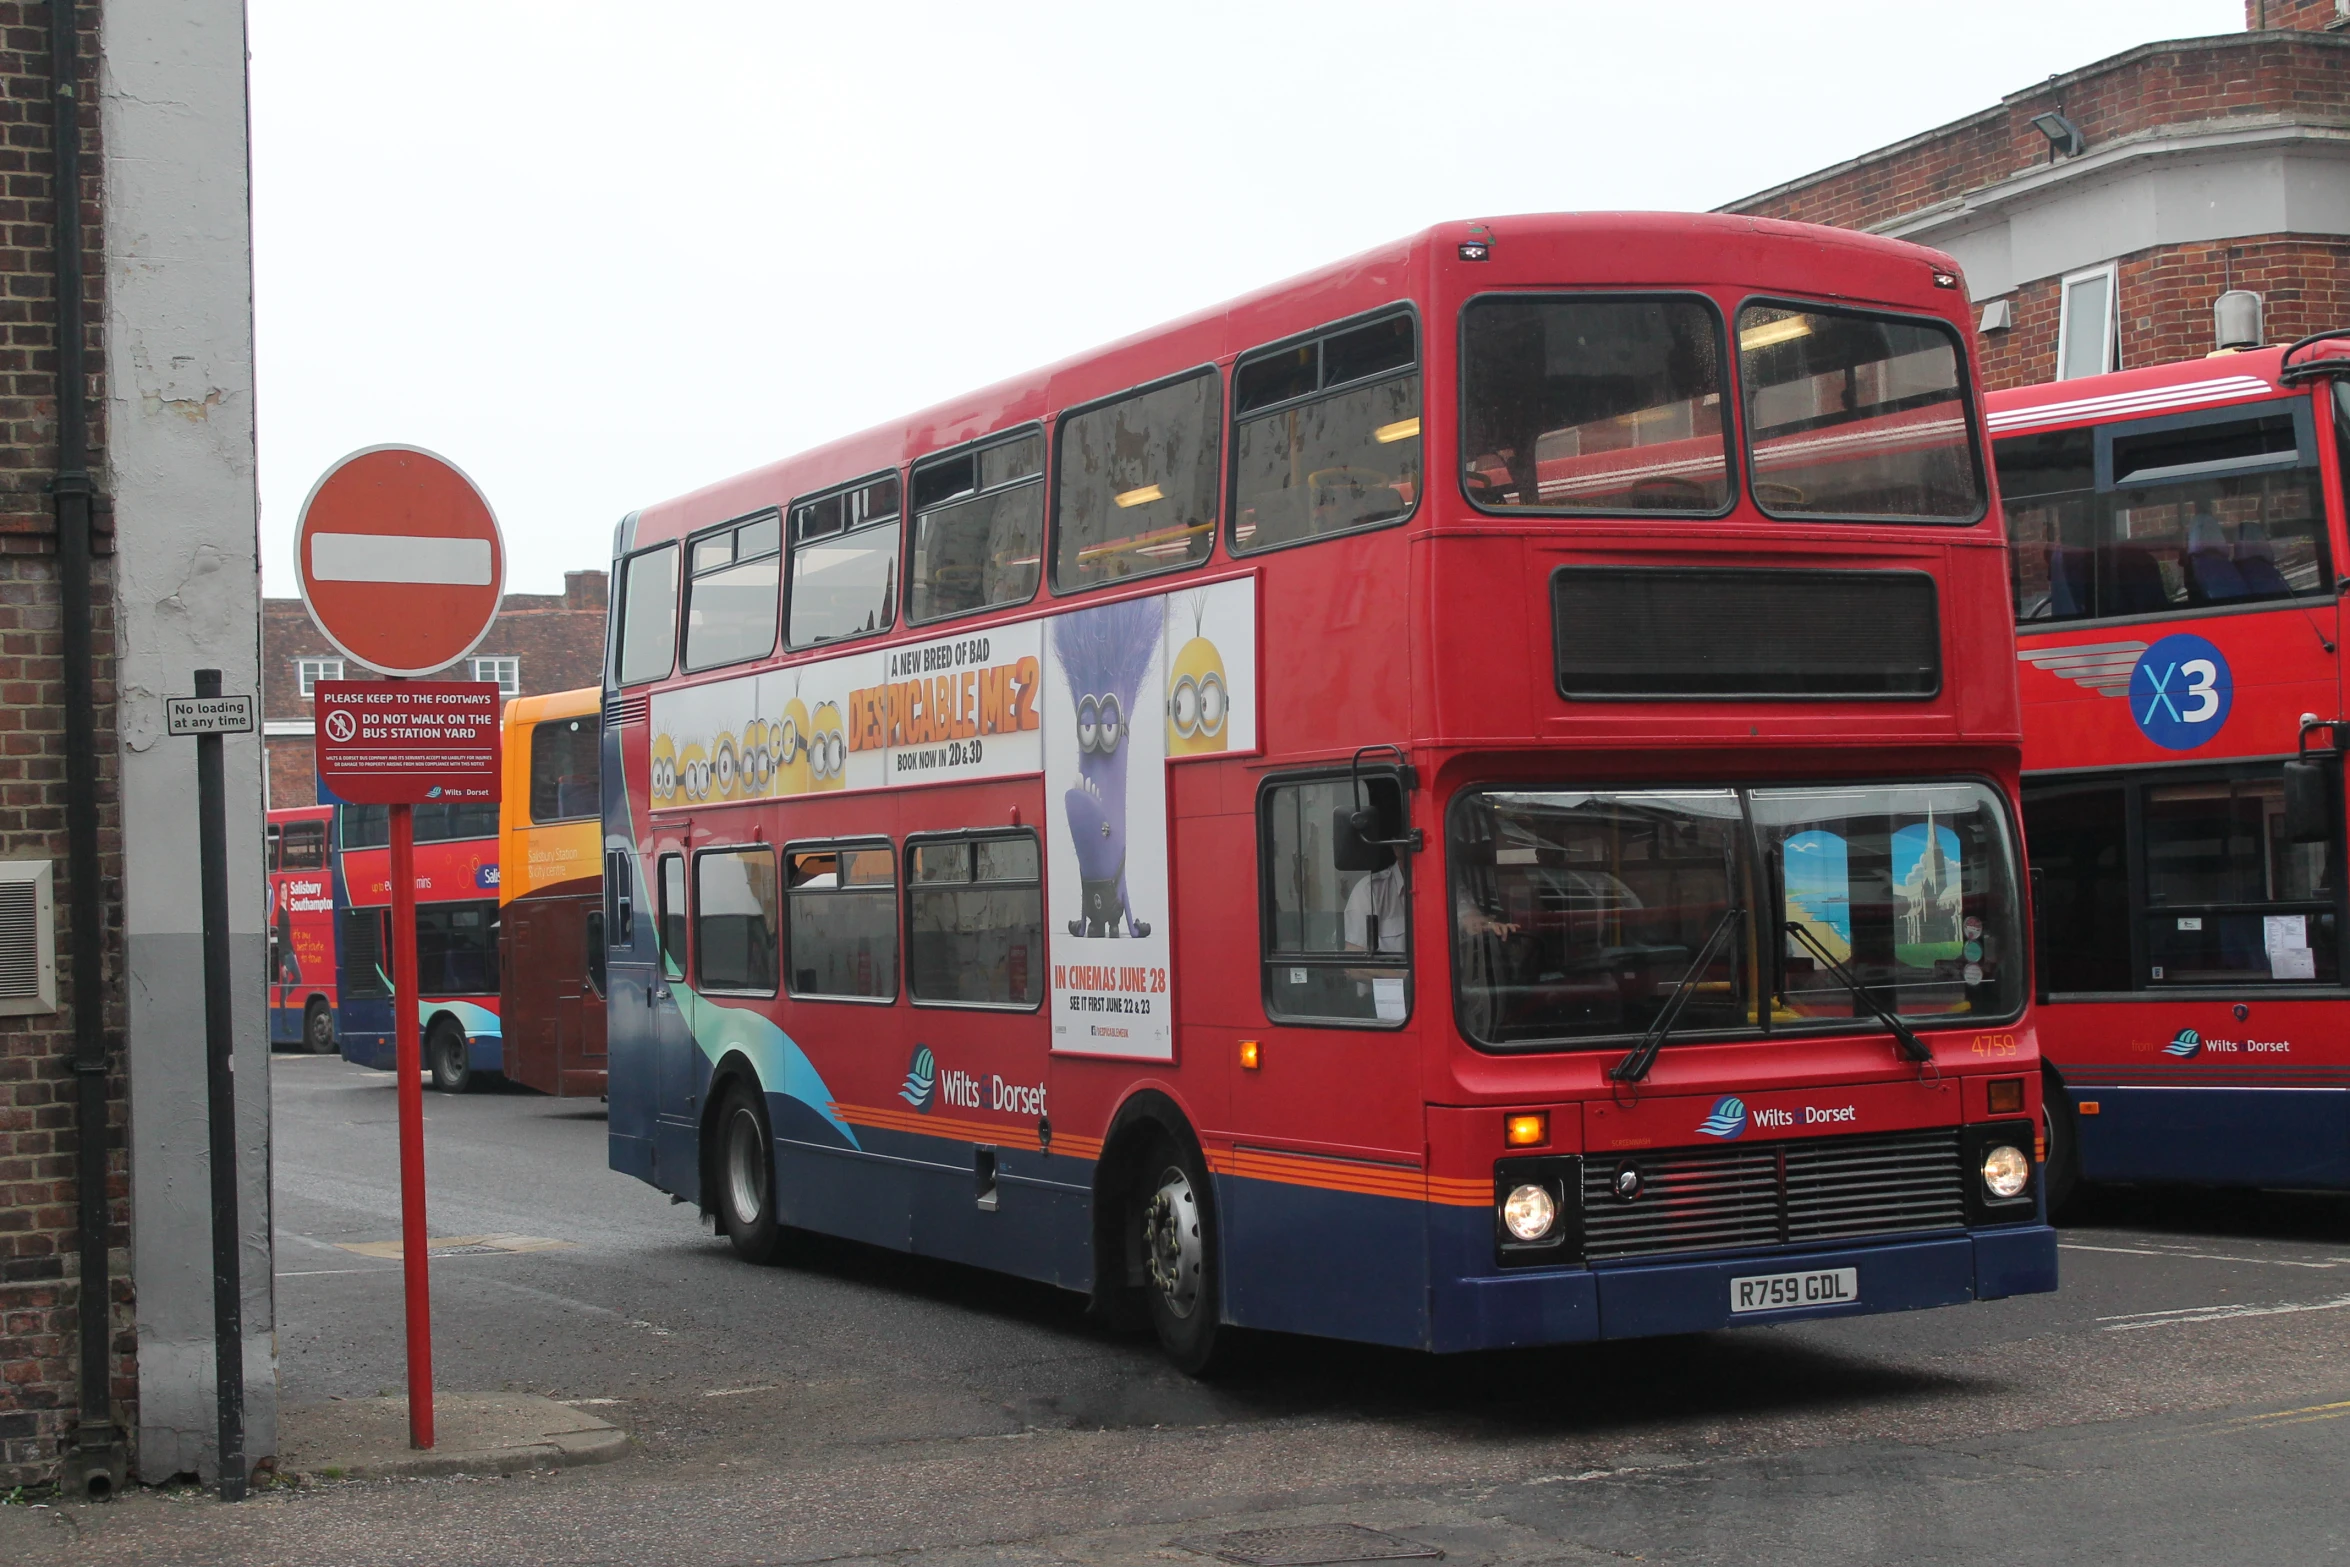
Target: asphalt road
(2184, 1398)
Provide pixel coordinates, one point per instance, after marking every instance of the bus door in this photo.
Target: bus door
(677, 1059)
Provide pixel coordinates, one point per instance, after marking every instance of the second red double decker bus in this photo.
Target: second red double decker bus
(1463, 800)
(2178, 544)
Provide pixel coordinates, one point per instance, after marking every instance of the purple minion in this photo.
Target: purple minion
(1105, 653)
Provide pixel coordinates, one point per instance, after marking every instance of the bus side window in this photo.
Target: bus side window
(672, 915)
(1137, 490)
(647, 641)
(843, 913)
(595, 950)
(304, 846)
(273, 847)
(1326, 436)
(619, 898)
(1337, 909)
(975, 921)
(735, 927)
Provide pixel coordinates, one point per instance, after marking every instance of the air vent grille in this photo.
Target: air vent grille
(20, 941)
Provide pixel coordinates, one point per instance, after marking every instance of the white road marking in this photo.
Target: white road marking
(2200, 1256)
(399, 558)
(737, 1392)
(2185, 1314)
(320, 1273)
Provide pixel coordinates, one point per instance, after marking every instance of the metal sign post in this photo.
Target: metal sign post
(402, 567)
(208, 715)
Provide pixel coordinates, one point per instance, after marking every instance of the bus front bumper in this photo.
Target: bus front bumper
(1644, 1299)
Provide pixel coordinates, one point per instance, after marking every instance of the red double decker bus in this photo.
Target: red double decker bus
(456, 939)
(1462, 800)
(2177, 546)
(301, 928)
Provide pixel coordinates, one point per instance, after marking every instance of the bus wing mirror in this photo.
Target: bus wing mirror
(1355, 842)
(2310, 812)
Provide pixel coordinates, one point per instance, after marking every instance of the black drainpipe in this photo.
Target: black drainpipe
(94, 1468)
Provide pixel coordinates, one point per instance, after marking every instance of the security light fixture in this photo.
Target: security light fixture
(2063, 135)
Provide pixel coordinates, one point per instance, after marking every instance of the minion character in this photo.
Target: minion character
(1198, 701)
(758, 762)
(725, 766)
(828, 748)
(693, 775)
(789, 741)
(663, 787)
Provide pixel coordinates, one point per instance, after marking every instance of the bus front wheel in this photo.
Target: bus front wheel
(444, 1054)
(1176, 1216)
(318, 1029)
(746, 1175)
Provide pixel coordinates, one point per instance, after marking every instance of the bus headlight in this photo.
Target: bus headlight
(1529, 1212)
(2006, 1171)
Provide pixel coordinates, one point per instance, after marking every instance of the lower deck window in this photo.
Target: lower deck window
(843, 921)
(1337, 909)
(735, 925)
(457, 948)
(2184, 880)
(975, 921)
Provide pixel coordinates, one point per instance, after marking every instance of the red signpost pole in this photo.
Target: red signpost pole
(408, 1063)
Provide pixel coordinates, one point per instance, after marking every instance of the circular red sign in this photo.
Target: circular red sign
(400, 560)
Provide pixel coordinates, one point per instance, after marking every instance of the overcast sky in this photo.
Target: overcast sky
(601, 254)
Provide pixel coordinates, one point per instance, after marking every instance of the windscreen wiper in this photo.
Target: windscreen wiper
(1635, 1066)
(1911, 1046)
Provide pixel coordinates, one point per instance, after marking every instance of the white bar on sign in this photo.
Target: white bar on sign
(396, 557)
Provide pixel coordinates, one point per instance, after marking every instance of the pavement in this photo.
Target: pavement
(2184, 1398)
(473, 1434)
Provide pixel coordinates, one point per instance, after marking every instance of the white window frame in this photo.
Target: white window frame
(2067, 326)
(44, 933)
(503, 670)
(308, 672)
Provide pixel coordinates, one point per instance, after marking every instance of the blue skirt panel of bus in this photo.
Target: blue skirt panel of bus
(286, 1025)
(2233, 1136)
(1299, 1259)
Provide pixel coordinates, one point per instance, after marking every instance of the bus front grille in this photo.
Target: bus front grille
(1768, 1194)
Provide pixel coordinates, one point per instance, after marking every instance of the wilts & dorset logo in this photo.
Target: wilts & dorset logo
(2186, 1047)
(921, 1079)
(1728, 1120)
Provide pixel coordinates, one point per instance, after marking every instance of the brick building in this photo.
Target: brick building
(2100, 213)
(127, 561)
(540, 642)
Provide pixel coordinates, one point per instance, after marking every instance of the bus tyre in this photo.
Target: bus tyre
(746, 1175)
(1175, 1214)
(318, 1029)
(444, 1057)
(2063, 1170)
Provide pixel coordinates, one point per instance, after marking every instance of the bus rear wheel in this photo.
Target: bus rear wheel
(1182, 1274)
(746, 1175)
(318, 1029)
(444, 1055)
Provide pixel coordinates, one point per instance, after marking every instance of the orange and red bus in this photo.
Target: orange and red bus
(301, 929)
(2178, 549)
(1463, 800)
(550, 894)
(456, 938)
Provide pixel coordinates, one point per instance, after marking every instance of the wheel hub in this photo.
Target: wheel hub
(746, 1169)
(1171, 1242)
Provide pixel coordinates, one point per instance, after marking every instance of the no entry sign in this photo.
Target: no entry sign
(400, 560)
(384, 742)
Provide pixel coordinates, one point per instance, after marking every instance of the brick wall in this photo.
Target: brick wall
(559, 638)
(2314, 16)
(38, 1231)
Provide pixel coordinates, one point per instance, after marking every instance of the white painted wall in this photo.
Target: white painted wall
(180, 466)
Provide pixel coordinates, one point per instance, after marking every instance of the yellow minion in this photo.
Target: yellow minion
(725, 766)
(693, 775)
(828, 747)
(1198, 700)
(758, 762)
(789, 740)
(663, 787)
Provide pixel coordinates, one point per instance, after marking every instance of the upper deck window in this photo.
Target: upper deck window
(648, 615)
(844, 563)
(1326, 436)
(978, 529)
(369, 826)
(1137, 490)
(732, 576)
(1580, 403)
(566, 771)
(304, 846)
(1856, 416)
(2189, 512)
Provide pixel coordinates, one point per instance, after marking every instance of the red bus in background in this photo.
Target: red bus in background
(301, 929)
(2177, 552)
(551, 894)
(456, 939)
(1463, 800)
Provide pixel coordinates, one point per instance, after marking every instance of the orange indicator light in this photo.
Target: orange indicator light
(2087, 1107)
(2006, 1095)
(1248, 1055)
(1528, 1131)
